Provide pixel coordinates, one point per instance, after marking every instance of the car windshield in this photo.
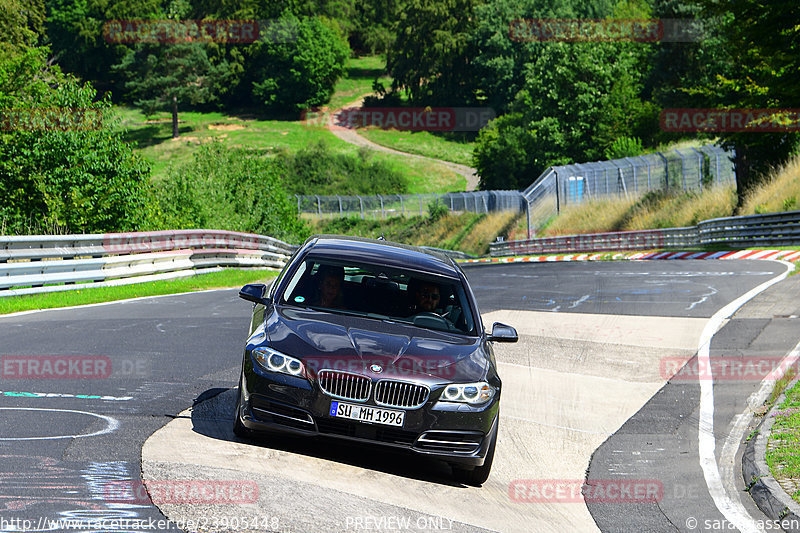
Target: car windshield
(378, 292)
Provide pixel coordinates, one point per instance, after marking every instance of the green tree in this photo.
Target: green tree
(75, 33)
(162, 76)
(764, 73)
(299, 66)
(21, 23)
(430, 57)
(63, 162)
(578, 98)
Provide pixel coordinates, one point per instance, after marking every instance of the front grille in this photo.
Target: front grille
(345, 385)
(450, 441)
(400, 394)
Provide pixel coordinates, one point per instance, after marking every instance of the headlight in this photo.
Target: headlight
(474, 393)
(274, 361)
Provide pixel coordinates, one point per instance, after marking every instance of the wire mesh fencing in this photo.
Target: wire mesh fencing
(382, 206)
(680, 169)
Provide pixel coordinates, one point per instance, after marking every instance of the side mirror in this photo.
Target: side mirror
(254, 292)
(503, 333)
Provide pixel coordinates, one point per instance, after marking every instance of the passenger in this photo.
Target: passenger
(426, 296)
(329, 286)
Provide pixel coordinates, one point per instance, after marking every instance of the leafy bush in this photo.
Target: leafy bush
(59, 165)
(436, 210)
(298, 69)
(231, 189)
(624, 147)
(318, 170)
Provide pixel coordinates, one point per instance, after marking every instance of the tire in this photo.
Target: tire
(238, 428)
(478, 475)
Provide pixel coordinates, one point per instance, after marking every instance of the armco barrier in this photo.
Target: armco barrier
(49, 263)
(775, 229)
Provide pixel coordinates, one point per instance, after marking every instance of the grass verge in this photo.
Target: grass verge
(215, 280)
(782, 457)
(448, 147)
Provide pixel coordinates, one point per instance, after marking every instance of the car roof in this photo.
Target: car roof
(380, 252)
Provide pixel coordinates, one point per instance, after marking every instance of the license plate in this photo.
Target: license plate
(365, 413)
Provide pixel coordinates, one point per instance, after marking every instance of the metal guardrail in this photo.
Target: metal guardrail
(775, 229)
(50, 263)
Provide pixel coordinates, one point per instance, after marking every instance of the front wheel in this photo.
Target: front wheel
(239, 429)
(478, 475)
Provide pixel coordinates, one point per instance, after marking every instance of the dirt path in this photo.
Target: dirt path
(350, 135)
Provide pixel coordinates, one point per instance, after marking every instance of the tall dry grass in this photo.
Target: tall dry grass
(674, 210)
(486, 230)
(656, 209)
(780, 193)
(594, 216)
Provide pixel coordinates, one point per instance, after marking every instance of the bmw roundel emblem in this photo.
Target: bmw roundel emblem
(376, 368)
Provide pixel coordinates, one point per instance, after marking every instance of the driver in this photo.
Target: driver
(427, 297)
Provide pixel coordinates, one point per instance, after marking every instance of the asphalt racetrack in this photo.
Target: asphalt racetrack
(150, 391)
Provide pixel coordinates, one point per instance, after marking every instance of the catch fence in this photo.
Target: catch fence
(683, 169)
(382, 206)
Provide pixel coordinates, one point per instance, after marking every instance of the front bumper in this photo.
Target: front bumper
(454, 432)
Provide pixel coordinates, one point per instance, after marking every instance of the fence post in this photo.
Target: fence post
(528, 216)
(341, 214)
(646, 162)
(401, 203)
(699, 166)
(319, 206)
(666, 170)
(635, 187)
(683, 169)
(558, 194)
(298, 203)
(361, 202)
(383, 213)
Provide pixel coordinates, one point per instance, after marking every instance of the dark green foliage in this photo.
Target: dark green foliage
(299, 68)
(764, 72)
(161, 77)
(75, 32)
(318, 170)
(21, 23)
(506, 153)
(437, 209)
(430, 56)
(626, 147)
(231, 189)
(564, 114)
(64, 170)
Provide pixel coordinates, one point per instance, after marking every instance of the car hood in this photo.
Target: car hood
(381, 349)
